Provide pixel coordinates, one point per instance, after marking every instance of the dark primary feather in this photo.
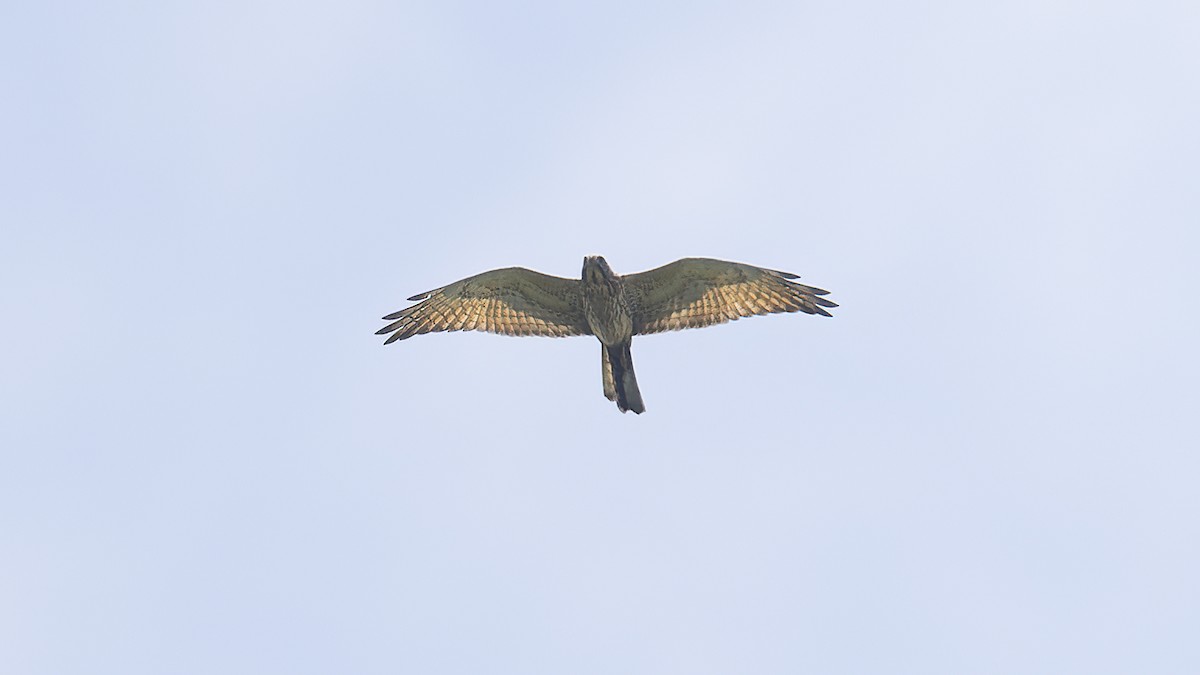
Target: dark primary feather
(510, 301)
(697, 292)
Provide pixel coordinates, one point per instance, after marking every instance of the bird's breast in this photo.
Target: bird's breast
(607, 315)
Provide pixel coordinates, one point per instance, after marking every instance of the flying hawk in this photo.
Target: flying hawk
(688, 293)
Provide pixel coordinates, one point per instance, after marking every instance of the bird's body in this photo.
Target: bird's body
(605, 306)
(688, 293)
(610, 318)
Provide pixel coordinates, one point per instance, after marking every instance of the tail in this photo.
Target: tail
(610, 387)
(618, 373)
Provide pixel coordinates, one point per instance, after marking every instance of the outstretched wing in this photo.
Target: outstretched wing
(511, 301)
(698, 292)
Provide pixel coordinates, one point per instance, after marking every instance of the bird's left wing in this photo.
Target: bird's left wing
(511, 301)
(697, 292)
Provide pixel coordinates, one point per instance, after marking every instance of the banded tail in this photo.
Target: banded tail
(620, 383)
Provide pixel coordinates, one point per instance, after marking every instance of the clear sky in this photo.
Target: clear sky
(986, 462)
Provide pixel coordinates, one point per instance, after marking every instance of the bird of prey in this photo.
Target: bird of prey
(688, 293)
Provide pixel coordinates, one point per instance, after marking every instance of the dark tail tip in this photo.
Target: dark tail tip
(629, 397)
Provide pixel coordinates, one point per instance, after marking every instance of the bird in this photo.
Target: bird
(688, 293)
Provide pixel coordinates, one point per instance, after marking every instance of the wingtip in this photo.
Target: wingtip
(398, 335)
(420, 296)
(812, 289)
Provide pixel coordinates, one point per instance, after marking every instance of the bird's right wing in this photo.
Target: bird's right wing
(697, 292)
(510, 301)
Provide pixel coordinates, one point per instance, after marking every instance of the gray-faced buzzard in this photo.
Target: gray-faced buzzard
(688, 293)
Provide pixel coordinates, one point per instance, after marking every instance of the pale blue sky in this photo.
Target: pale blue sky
(984, 463)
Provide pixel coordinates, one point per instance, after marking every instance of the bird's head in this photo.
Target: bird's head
(596, 270)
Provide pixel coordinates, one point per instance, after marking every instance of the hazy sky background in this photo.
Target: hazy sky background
(986, 462)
